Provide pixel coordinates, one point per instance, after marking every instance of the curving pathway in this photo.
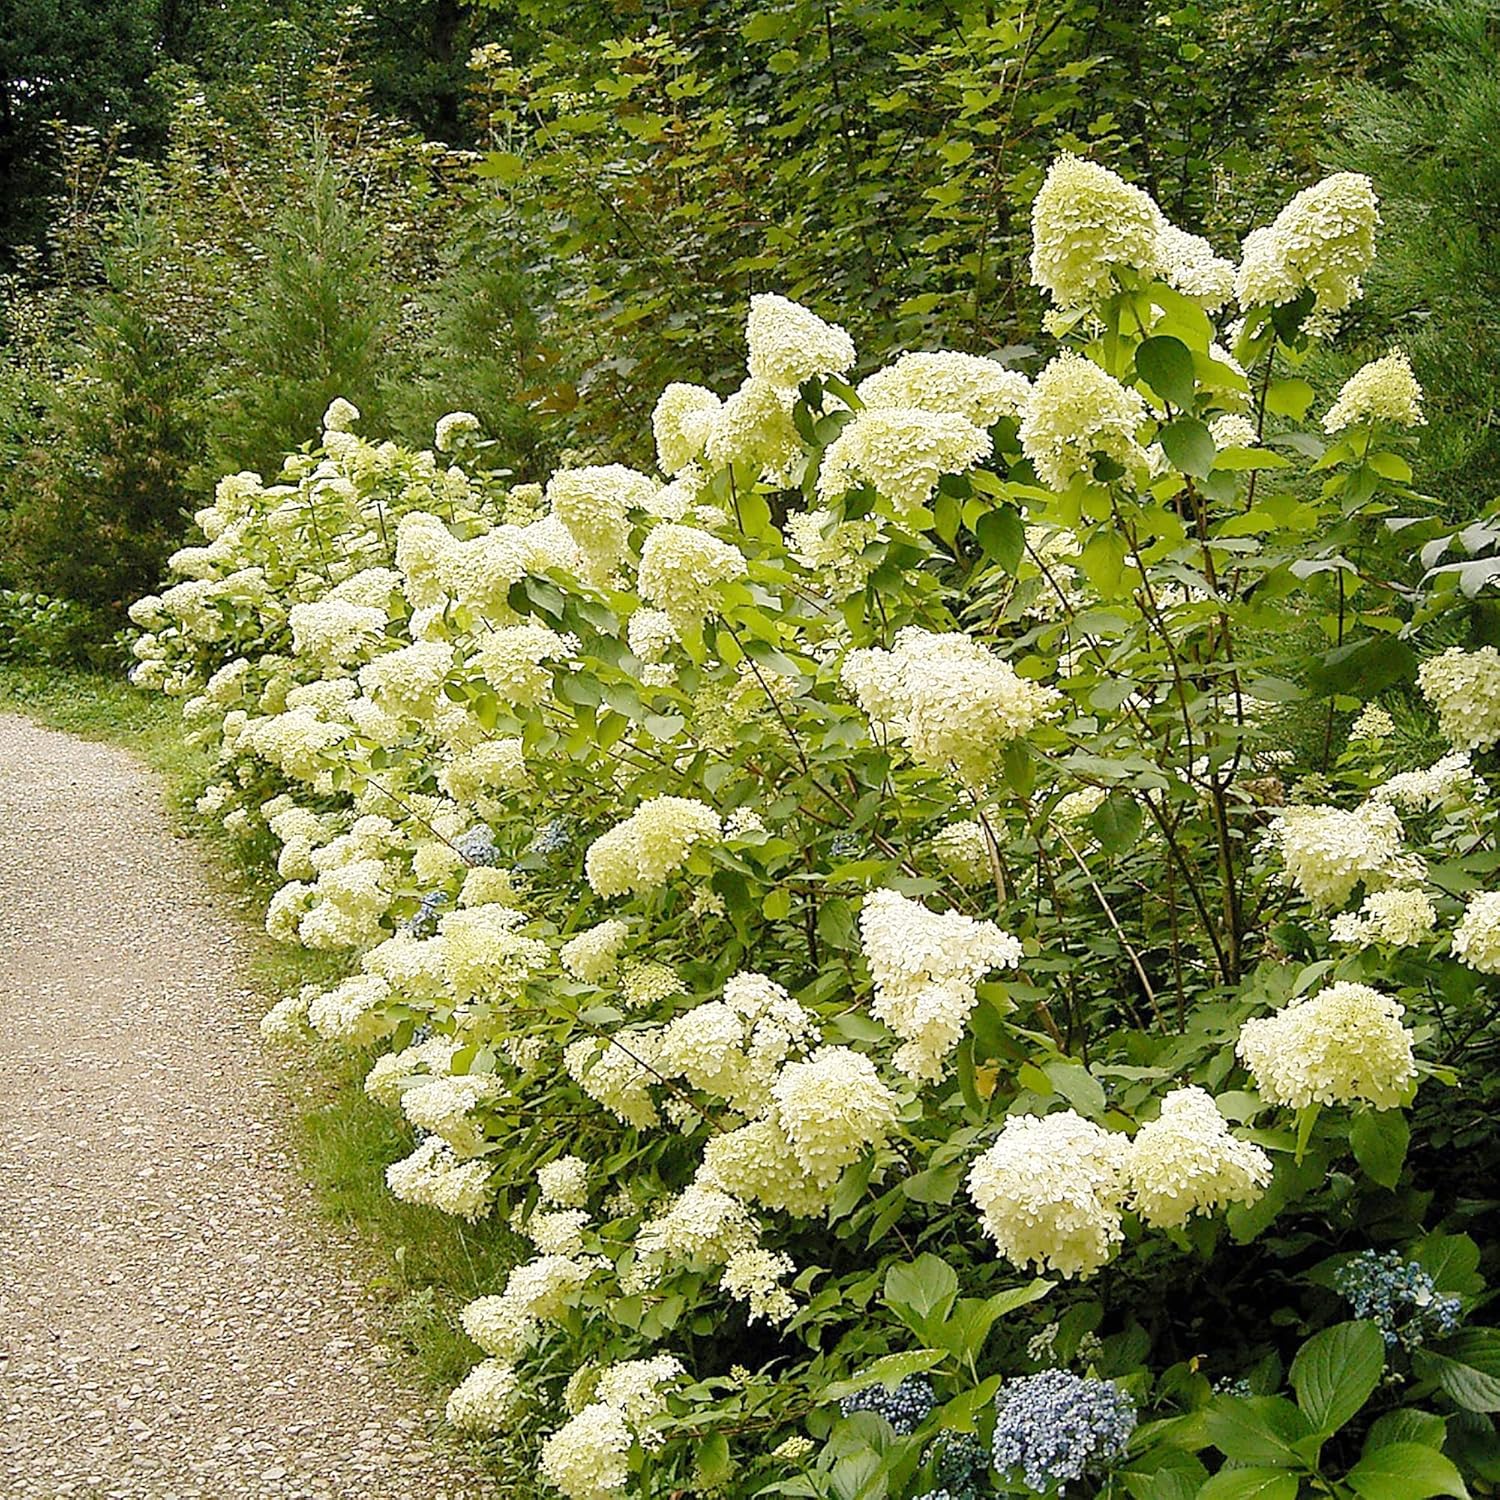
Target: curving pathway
(171, 1323)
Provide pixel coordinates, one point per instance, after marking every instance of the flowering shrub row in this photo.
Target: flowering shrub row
(849, 904)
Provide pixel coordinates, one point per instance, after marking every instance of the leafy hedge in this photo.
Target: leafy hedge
(893, 911)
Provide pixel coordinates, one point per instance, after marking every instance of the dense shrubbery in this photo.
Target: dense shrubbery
(892, 908)
(265, 209)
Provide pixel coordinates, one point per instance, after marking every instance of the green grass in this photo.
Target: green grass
(420, 1266)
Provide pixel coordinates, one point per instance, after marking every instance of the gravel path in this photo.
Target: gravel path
(171, 1322)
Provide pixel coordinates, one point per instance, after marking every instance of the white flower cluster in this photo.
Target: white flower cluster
(1476, 939)
(963, 852)
(1464, 689)
(650, 845)
(1052, 1189)
(1186, 1161)
(1077, 412)
(618, 1074)
(564, 1182)
(434, 1177)
(734, 1048)
(536, 1292)
(788, 344)
(1342, 1045)
(1372, 723)
(833, 1108)
(902, 453)
(445, 1106)
(951, 701)
(1395, 918)
(1385, 390)
(513, 660)
(1327, 851)
(1322, 241)
(681, 423)
(352, 1011)
(485, 956)
(681, 567)
(1086, 224)
(979, 390)
(591, 955)
(1448, 783)
(588, 1457)
(925, 966)
(487, 1398)
(594, 504)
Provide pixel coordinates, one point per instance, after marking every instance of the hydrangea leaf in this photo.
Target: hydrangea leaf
(1335, 1372)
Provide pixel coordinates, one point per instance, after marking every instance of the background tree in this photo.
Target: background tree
(1433, 148)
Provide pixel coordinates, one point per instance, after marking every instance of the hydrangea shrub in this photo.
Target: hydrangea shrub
(830, 898)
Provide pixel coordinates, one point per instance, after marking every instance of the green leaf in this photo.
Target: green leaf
(502, 166)
(1116, 822)
(1103, 562)
(711, 1461)
(1467, 1366)
(1405, 1471)
(1250, 1484)
(1189, 445)
(889, 1372)
(1002, 534)
(1289, 398)
(1166, 365)
(1379, 1139)
(1364, 666)
(1335, 1372)
(1078, 1086)
(1257, 1430)
(969, 1325)
(1452, 1260)
(1407, 1426)
(927, 1285)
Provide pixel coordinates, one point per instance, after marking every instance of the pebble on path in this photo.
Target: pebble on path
(172, 1324)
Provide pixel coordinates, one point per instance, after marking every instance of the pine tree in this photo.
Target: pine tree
(1433, 148)
(316, 329)
(109, 480)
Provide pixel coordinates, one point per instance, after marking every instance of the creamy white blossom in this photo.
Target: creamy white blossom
(1476, 939)
(902, 453)
(788, 344)
(1385, 390)
(1342, 1045)
(1464, 688)
(1087, 223)
(1077, 411)
(1051, 1190)
(1186, 1161)
(925, 966)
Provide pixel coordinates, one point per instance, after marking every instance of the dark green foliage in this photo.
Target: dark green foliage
(84, 61)
(313, 331)
(481, 351)
(106, 484)
(1433, 148)
(876, 159)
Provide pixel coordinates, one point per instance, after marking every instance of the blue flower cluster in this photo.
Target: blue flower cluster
(423, 922)
(960, 1467)
(1055, 1425)
(904, 1408)
(552, 838)
(844, 845)
(1398, 1296)
(478, 846)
